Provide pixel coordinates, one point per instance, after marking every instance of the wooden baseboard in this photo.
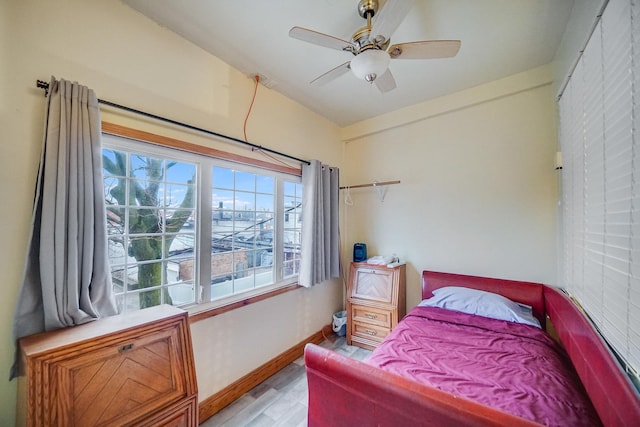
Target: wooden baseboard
(216, 402)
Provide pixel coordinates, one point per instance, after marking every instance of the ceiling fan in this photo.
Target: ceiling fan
(370, 45)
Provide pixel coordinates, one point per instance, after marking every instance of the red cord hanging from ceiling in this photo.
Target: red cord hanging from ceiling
(255, 91)
(256, 78)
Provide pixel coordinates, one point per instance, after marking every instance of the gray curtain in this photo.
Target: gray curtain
(320, 252)
(67, 280)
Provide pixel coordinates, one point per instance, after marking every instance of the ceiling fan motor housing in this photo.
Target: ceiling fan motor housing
(367, 8)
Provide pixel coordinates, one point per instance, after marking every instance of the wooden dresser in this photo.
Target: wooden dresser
(131, 369)
(376, 301)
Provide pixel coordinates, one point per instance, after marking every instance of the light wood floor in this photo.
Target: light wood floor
(282, 399)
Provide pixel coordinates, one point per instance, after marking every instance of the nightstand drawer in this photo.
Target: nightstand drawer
(371, 315)
(370, 331)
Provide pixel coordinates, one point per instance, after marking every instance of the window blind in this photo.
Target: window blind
(599, 115)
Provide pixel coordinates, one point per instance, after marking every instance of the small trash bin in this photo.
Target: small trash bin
(340, 323)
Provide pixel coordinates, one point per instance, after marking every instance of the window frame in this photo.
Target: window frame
(137, 148)
(145, 143)
(205, 216)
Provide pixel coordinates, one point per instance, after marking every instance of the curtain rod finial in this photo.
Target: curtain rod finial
(41, 84)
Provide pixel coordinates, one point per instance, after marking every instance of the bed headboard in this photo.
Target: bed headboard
(523, 292)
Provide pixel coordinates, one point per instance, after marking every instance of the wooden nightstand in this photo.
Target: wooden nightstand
(376, 301)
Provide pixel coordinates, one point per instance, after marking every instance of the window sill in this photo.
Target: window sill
(197, 313)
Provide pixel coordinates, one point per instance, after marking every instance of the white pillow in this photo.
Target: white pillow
(481, 303)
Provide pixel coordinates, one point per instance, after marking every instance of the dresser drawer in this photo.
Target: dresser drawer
(371, 315)
(370, 331)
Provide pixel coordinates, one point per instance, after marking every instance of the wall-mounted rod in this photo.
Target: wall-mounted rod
(44, 85)
(373, 184)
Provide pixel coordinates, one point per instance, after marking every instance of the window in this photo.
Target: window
(186, 228)
(599, 119)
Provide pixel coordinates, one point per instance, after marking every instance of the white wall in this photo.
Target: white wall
(478, 185)
(128, 59)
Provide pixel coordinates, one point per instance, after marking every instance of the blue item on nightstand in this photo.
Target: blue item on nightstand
(359, 252)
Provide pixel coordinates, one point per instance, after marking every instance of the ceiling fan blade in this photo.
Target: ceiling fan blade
(320, 39)
(331, 74)
(428, 49)
(385, 82)
(390, 17)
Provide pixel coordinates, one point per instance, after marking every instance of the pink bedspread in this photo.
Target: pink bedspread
(516, 368)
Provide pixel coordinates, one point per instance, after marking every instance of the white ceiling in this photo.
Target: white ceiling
(499, 38)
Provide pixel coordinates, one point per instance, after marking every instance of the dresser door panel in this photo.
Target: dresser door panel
(373, 285)
(118, 384)
(133, 369)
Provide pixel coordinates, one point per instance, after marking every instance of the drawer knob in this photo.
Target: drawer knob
(370, 316)
(370, 332)
(125, 347)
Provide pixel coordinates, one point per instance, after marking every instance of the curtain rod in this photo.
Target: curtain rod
(44, 85)
(373, 184)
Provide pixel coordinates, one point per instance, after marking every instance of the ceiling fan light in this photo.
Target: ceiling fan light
(370, 64)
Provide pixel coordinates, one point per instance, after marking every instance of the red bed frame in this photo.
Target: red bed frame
(346, 392)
